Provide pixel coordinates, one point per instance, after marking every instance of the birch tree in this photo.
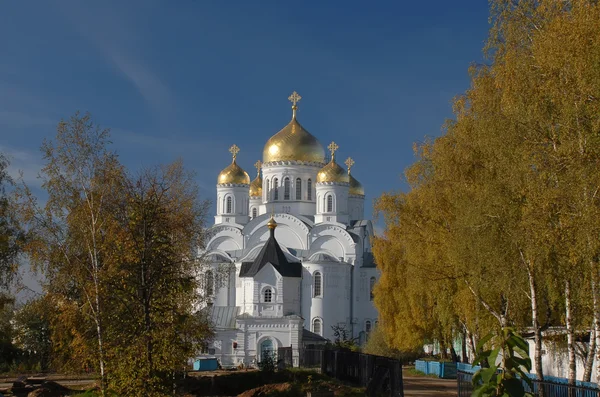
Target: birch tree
(71, 238)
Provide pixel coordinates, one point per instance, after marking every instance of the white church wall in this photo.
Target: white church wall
(291, 295)
(356, 207)
(292, 170)
(332, 306)
(364, 308)
(555, 360)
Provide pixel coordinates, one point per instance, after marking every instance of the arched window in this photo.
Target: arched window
(329, 203)
(209, 283)
(371, 286)
(229, 205)
(317, 326)
(368, 326)
(268, 295)
(318, 280)
(286, 189)
(298, 189)
(254, 212)
(275, 189)
(309, 190)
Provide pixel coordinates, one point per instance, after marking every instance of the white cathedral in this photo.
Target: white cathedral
(290, 253)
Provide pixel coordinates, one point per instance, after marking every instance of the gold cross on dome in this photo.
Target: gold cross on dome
(349, 163)
(294, 98)
(258, 166)
(332, 148)
(234, 150)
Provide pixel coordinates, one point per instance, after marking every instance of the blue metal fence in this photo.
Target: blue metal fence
(546, 388)
(446, 370)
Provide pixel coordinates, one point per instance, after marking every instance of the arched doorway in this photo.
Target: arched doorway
(266, 349)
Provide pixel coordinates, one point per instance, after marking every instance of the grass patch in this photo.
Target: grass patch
(411, 371)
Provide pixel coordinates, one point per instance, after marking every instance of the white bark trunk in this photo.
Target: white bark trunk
(535, 323)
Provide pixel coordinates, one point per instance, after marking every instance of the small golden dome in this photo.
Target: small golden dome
(272, 224)
(256, 184)
(233, 174)
(332, 172)
(293, 142)
(356, 188)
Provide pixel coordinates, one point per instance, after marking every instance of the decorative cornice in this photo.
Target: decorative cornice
(292, 162)
(360, 196)
(233, 185)
(332, 184)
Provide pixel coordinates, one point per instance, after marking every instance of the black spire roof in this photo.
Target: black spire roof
(271, 253)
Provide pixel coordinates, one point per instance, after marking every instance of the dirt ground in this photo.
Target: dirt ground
(418, 386)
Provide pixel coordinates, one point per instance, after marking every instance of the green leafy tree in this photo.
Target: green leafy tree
(153, 281)
(504, 378)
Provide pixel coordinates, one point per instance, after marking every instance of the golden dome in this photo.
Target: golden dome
(233, 174)
(293, 142)
(256, 184)
(356, 188)
(332, 172)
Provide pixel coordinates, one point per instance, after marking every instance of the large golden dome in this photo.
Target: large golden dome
(256, 184)
(332, 172)
(233, 174)
(293, 142)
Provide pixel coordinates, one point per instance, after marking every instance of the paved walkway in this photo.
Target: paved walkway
(418, 386)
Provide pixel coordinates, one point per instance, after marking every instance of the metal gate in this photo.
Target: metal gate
(284, 357)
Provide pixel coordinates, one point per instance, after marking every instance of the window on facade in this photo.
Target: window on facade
(286, 189)
(209, 283)
(371, 286)
(275, 189)
(254, 212)
(317, 326)
(309, 190)
(330, 203)
(268, 295)
(318, 279)
(229, 205)
(368, 326)
(298, 189)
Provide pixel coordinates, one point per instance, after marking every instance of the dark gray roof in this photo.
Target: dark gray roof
(271, 253)
(308, 336)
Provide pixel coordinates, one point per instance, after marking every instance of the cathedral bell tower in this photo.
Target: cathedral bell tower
(233, 186)
(333, 185)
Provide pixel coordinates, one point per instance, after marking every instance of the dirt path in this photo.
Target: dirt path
(417, 386)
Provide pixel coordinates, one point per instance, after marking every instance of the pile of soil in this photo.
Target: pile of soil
(266, 390)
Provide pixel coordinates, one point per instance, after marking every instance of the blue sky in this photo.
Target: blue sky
(189, 78)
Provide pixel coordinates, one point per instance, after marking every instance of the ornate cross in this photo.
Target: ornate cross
(234, 150)
(294, 98)
(349, 163)
(332, 148)
(258, 166)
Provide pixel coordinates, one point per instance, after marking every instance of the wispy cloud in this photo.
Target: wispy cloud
(118, 41)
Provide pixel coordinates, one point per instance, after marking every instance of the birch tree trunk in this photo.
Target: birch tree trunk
(589, 362)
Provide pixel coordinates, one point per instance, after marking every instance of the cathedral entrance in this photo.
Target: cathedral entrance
(266, 349)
